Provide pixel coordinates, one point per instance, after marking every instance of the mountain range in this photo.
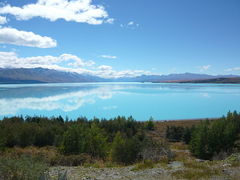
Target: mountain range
(41, 75)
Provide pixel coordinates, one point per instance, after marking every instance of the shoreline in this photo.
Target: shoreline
(191, 119)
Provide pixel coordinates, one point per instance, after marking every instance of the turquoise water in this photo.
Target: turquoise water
(106, 100)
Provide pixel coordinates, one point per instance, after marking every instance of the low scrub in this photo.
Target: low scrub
(71, 160)
(147, 164)
(156, 151)
(22, 168)
(193, 174)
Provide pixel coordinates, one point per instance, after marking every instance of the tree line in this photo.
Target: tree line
(211, 137)
(120, 139)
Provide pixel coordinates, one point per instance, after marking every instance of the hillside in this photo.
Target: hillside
(235, 80)
(41, 75)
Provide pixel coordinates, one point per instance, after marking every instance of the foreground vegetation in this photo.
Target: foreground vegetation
(120, 139)
(30, 145)
(210, 138)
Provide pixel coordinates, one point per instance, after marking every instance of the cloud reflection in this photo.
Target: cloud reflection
(65, 102)
(205, 95)
(92, 99)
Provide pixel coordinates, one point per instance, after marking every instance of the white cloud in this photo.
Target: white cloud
(108, 57)
(77, 62)
(81, 11)
(109, 72)
(11, 60)
(130, 25)
(24, 38)
(64, 62)
(233, 69)
(204, 68)
(105, 68)
(3, 20)
(110, 21)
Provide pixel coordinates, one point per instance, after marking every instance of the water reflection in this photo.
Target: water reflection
(51, 98)
(141, 100)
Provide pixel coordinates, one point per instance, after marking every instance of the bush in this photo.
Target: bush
(95, 137)
(117, 149)
(149, 125)
(83, 139)
(125, 150)
(217, 136)
(155, 151)
(44, 154)
(23, 168)
(38, 131)
(178, 133)
(71, 160)
(71, 141)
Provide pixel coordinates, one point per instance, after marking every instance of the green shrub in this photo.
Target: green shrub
(125, 150)
(149, 125)
(83, 139)
(117, 149)
(93, 137)
(214, 137)
(178, 133)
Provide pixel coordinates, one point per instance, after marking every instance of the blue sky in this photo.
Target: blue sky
(132, 37)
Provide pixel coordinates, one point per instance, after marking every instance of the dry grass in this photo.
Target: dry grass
(195, 174)
(236, 175)
(45, 153)
(102, 164)
(198, 170)
(235, 164)
(49, 155)
(178, 146)
(193, 169)
(183, 156)
(161, 126)
(147, 164)
(233, 160)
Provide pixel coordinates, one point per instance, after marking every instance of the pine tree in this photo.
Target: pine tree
(117, 150)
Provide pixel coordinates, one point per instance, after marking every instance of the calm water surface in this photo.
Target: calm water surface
(106, 100)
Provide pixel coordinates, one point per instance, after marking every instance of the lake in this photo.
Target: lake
(162, 101)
